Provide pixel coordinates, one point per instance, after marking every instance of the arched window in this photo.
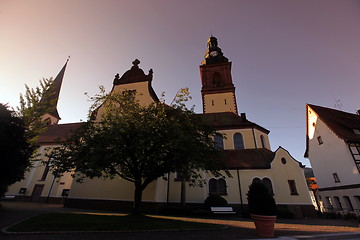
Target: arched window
(262, 139)
(219, 142)
(256, 180)
(238, 141)
(222, 186)
(212, 186)
(268, 184)
(217, 187)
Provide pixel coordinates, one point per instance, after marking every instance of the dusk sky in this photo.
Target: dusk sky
(284, 53)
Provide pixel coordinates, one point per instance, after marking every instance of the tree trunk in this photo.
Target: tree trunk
(137, 200)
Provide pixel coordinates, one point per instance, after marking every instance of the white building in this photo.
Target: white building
(333, 148)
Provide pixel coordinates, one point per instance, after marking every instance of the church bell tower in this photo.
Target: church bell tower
(218, 91)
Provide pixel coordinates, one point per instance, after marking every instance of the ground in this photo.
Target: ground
(13, 212)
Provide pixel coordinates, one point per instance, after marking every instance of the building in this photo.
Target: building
(246, 151)
(333, 148)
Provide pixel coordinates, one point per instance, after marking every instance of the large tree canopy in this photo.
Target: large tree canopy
(19, 132)
(15, 151)
(139, 144)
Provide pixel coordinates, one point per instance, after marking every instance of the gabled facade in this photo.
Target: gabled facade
(246, 151)
(333, 148)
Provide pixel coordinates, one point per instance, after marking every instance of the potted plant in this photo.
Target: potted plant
(262, 209)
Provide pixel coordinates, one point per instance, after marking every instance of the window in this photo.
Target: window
(292, 186)
(262, 141)
(337, 203)
(238, 141)
(320, 140)
(348, 203)
(283, 160)
(65, 192)
(222, 186)
(219, 142)
(212, 186)
(357, 201)
(268, 184)
(22, 191)
(328, 203)
(336, 177)
(217, 186)
(355, 151)
(216, 79)
(256, 180)
(225, 101)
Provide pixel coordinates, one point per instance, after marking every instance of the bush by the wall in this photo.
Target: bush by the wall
(215, 201)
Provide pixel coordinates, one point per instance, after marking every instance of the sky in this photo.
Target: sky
(284, 53)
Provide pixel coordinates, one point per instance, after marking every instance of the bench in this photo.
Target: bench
(222, 210)
(8, 197)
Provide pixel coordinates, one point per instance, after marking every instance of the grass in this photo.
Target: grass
(102, 222)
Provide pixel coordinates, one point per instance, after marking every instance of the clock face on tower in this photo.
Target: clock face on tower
(213, 53)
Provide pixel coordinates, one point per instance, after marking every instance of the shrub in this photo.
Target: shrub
(215, 201)
(260, 201)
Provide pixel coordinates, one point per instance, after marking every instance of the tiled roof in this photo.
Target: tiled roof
(229, 120)
(57, 133)
(259, 158)
(341, 123)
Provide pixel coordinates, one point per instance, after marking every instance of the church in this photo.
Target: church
(246, 149)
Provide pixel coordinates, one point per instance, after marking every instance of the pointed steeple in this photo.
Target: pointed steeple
(53, 96)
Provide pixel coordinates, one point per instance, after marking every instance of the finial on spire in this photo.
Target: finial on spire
(68, 59)
(136, 62)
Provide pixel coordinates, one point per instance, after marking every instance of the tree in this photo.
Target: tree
(19, 132)
(34, 104)
(15, 150)
(138, 144)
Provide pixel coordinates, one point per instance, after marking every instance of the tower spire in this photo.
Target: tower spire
(53, 95)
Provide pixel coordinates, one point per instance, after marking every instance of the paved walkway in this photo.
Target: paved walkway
(13, 212)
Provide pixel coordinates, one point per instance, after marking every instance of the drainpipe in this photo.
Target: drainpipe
(52, 184)
(241, 201)
(168, 188)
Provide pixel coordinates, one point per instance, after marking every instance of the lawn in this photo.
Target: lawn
(102, 222)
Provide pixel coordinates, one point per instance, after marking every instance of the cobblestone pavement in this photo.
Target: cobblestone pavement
(13, 212)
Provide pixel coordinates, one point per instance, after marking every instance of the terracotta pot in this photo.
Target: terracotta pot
(264, 225)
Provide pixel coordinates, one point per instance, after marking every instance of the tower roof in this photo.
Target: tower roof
(213, 53)
(53, 95)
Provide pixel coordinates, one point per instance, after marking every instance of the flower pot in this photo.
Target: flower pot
(264, 225)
